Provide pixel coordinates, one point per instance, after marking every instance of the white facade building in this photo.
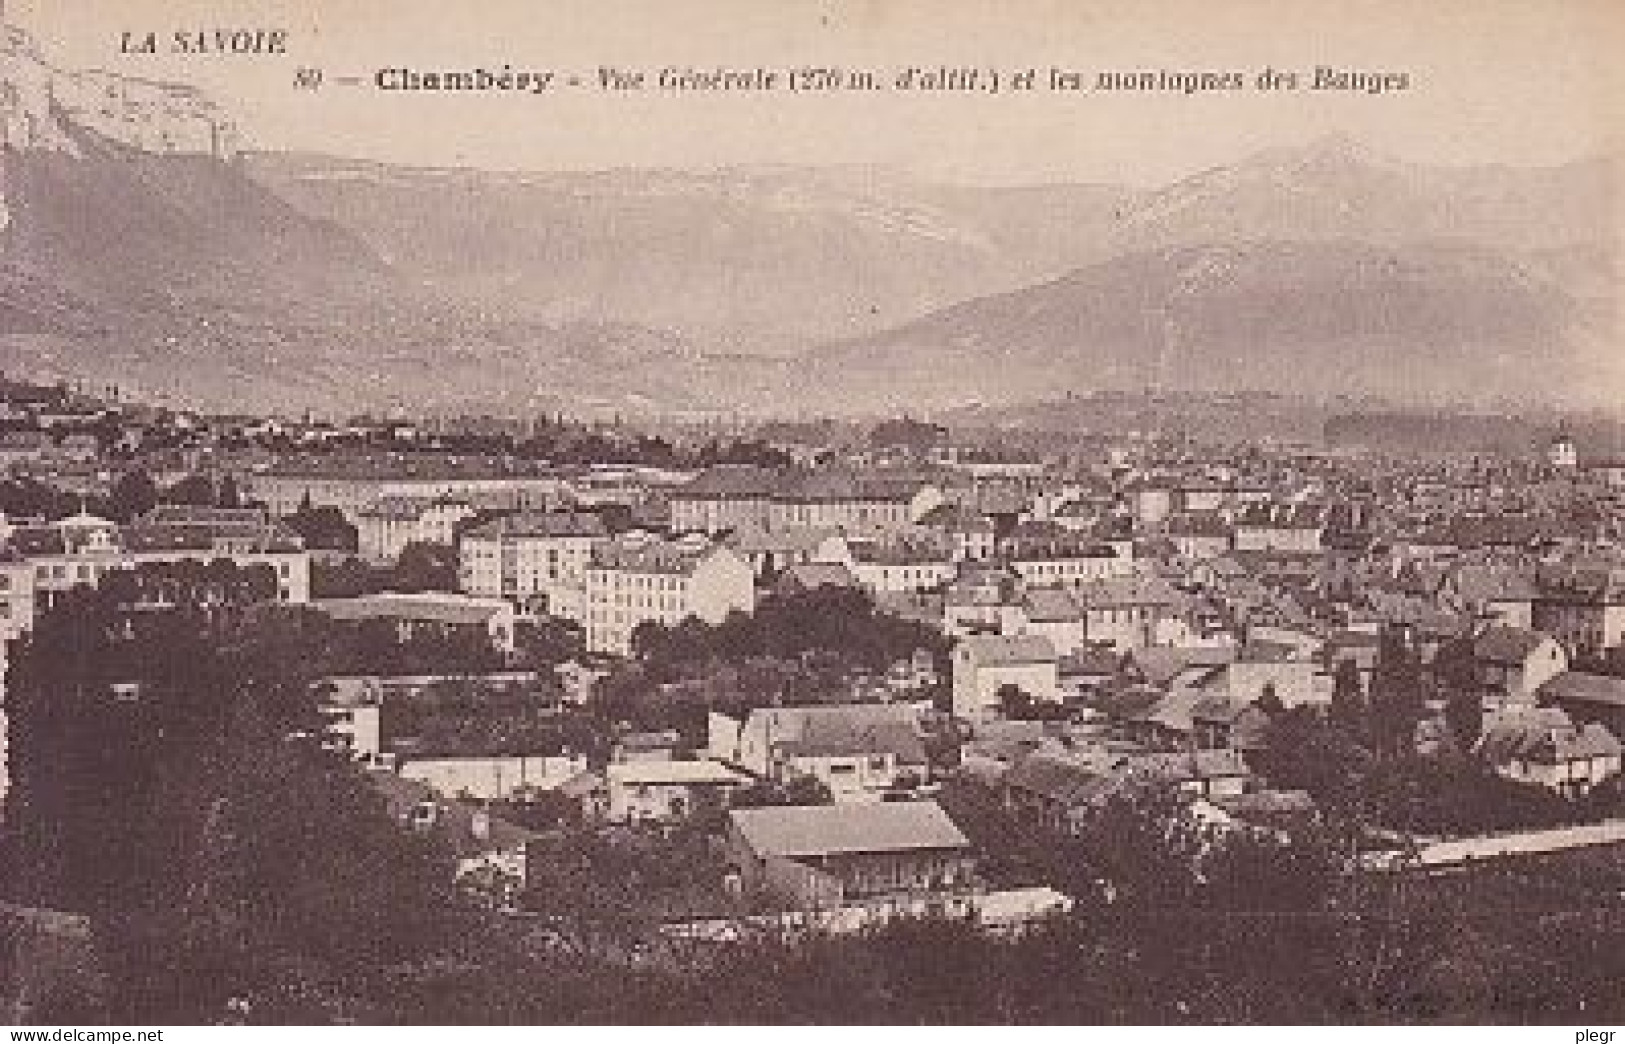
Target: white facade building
(537, 561)
(490, 777)
(985, 664)
(385, 528)
(639, 578)
(666, 791)
(859, 751)
(41, 562)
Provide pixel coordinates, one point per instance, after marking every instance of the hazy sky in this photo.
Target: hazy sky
(1517, 81)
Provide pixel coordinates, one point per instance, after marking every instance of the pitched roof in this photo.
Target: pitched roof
(1128, 590)
(657, 556)
(1283, 516)
(1266, 803)
(1079, 778)
(1038, 540)
(1506, 645)
(1545, 735)
(1065, 779)
(1176, 711)
(203, 536)
(398, 467)
(24, 440)
(1198, 525)
(671, 773)
(1598, 581)
(1091, 660)
(824, 487)
(536, 524)
(408, 508)
(919, 606)
(1478, 583)
(845, 729)
(1226, 566)
(1186, 766)
(1352, 640)
(731, 482)
(814, 830)
(1079, 508)
(430, 606)
(811, 575)
(960, 518)
(1050, 605)
(1262, 650)
(751, 539)
(1584, 688)
(1485, 531)
(1160, 664)
(197, 514)
(1007, 650)
(899, 552)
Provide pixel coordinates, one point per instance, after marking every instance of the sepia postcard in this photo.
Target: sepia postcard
(786, 512)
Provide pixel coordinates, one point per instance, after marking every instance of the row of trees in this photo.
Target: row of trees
(421, 566)
(798, 648)
(840, 621)
(132, 494)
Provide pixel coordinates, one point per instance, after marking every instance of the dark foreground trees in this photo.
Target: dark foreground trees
(169, 780)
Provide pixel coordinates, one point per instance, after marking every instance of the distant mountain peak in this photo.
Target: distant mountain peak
(1333, 155)
(1338, 147)
(45, 106)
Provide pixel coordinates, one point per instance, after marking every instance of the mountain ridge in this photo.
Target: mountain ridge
(288, 280)
(1324, 316)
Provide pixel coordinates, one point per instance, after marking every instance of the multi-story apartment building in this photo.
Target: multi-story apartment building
(385, 527)
(1132, 612)
(640, 578)
(1582, 605)
(860, 504)
(536, 560)
(726, 498)
(970, 533)
(354, 482)
(739, 497)
(41, 561)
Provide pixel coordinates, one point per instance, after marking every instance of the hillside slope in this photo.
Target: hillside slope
(1322, 318)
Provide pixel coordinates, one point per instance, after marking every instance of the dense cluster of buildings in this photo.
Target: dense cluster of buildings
(40, 560)
(1132, 616)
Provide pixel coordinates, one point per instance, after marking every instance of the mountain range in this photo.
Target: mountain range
(765, 261)
(1432, 321)
(275, 280)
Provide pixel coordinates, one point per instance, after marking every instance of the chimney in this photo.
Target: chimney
(480, 825)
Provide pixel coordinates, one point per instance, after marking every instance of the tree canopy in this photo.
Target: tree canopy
(171, 780)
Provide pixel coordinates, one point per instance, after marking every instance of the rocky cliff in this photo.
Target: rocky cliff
(40, 104)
